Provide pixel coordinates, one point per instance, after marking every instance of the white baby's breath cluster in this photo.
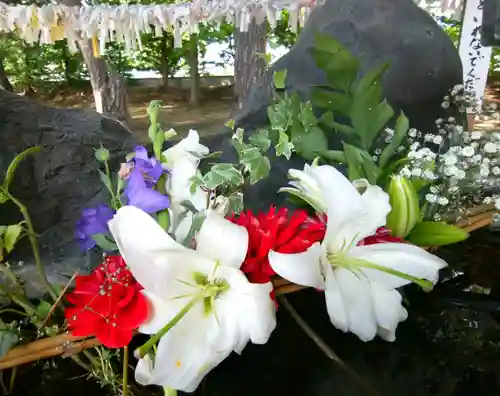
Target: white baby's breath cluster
(460, 168)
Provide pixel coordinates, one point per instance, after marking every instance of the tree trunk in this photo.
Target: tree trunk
(4, 80)
(248, 65)
(108, 86)
(194, 73)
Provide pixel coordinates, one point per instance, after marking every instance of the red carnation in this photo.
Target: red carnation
(277, 231)
(107, 304)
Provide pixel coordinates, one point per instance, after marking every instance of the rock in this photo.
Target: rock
(424, 66)
(58, 182)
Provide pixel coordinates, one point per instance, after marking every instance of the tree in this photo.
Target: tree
(248, 65)
(159, 54)
(108, 86)
(192, 55)
(4, 80)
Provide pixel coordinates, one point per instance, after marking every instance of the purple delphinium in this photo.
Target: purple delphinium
(150, 167)
(92, 221)
(137, 193)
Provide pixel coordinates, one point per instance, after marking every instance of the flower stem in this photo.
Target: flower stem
(144, 349)
(163, 216)
(33, 242)
(330, 354)
(169, 391)
(125, 371)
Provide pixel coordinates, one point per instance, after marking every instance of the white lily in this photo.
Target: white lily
(201, 294)
(306, 186)
(183, 160)
(360, 282)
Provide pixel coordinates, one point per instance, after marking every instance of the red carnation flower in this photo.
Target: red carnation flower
(107, 304)
(276, 230)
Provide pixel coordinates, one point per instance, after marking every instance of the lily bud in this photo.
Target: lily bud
(405, 208)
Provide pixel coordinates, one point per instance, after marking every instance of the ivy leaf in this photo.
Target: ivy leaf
(284, 146)
(104, 242)
(43, 309)
(400, 131)
(279, 115)
(196, 181)
(7, 340)
(235, 202)
(229, 124)
(198, 220)
(279, 78)
(11, 170)
(222, 174)
(306, 116)
(11, 236)
(261, 140)
(256, 164)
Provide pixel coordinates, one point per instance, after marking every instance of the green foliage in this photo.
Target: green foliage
(431, 233)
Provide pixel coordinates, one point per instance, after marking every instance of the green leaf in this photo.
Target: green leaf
(261, 140)
(11, 236)
(229, 124)
(196, 181)
(400, 131)
(198, 220)
(106, 181)
(3, 228)
(158, 141)
(7, 340)
(334, 101)
(43, 309)
(333, 155)
(419, 183)
(189, 206)
(3, 197)
(373, 77)
(266, 57)
(104, 242)
(235, 203)
(307, 145)
(429, 233)
(284, 146)
(279, 115)
(238, 135)
(9, 175)
(221, 174)
(306, 116)
(279, 78)
(256, 164)
(340, 66)
(368, 116)
(353, 159)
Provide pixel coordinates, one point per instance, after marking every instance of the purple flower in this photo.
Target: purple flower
(140, 195)
(92, 221)
(150, 168)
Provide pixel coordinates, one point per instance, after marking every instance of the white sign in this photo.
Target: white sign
(475, 57)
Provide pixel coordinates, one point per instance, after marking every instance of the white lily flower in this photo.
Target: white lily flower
(183, 160)
(360, 282)
(306, 186)
(232, 313)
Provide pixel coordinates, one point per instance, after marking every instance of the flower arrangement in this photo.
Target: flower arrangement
(199, 275)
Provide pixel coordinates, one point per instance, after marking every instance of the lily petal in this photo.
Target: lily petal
(222, 240)
(388, 311)
(375, 201)
(299, 268)
(161, 313)
(402, 257)
(334, 301)
(144, 371)
(143, 244)
(357, 301)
